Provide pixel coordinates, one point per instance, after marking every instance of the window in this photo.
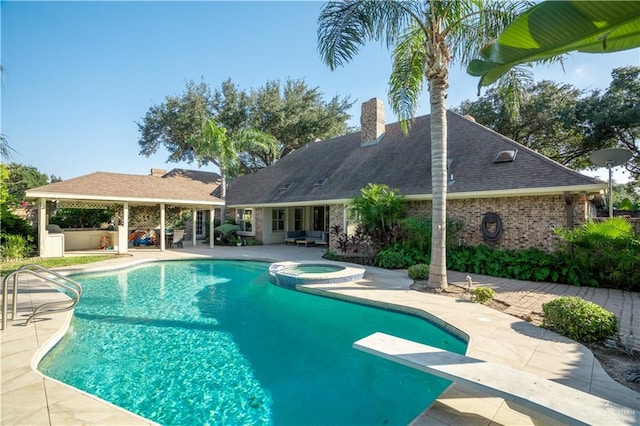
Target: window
(351, 220)
(321, 218)
(297, 219)
(244, 219)
(200, 222)
(277, 220)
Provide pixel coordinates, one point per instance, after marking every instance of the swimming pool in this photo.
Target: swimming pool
(213, 342)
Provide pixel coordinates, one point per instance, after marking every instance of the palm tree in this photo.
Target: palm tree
(223, 148)
(426, 37)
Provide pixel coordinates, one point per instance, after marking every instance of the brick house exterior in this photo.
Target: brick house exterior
(489, 173)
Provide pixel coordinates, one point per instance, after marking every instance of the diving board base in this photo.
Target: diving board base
(554, 400)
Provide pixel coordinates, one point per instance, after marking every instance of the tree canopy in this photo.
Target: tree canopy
(292, 112)
(17, 178)
(566, 124)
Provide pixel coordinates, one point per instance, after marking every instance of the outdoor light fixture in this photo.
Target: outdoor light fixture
(610, 158)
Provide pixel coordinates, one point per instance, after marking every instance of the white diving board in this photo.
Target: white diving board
(552, 399)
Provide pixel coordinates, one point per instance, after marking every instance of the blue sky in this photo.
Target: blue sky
(79, 75)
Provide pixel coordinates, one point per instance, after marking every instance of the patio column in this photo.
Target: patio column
(162, 226)
(212, 233)
(123, 230)
(194, 218)
(42, 226)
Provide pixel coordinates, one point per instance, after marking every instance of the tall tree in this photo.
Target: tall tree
(426, 37)
(20, 178)
(176, 123)
(294, 113)
(612, 118)
(566, 124)
(231, 106)
(222, 148)
(548, 120)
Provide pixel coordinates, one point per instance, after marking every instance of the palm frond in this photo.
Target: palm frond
(475, 23)
(407, 77)
(345, 26)
(512, 88)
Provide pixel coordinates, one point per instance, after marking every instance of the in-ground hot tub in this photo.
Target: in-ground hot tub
(290, 274)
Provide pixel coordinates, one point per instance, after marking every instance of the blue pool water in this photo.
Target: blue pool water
(213, 342)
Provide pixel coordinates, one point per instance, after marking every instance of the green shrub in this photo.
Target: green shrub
(482, 294)
(418, 272)
(608, 251)
(228, 233)
(524, 264)
(392, 258)
(579, 320)
(330, 255)
(13, 224)
(252, 242)
(15, 247)
(415, 234)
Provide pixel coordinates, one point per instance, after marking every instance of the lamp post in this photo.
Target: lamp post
(610, 158)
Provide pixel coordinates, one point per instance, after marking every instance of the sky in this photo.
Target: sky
(78, 75)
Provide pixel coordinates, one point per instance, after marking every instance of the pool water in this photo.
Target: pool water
(312, 269)
(213, 342)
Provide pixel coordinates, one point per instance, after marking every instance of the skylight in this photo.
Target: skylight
(321, 181)
(286, 186)
(505, 156)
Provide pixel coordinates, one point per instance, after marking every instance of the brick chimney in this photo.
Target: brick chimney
(158, 172)
(372, 121)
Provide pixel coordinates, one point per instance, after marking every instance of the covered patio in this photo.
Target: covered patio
(142, 204)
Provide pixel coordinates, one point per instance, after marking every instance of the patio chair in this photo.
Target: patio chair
(178, 237)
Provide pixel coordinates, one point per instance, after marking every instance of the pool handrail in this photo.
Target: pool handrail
(50, 277)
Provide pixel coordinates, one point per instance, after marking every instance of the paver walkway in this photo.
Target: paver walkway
(527, 297)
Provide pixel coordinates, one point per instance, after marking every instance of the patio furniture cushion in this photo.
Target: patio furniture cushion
(319, 237)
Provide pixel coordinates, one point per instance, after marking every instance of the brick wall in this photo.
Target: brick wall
(336, 217)
(526, 221)
(258, 222)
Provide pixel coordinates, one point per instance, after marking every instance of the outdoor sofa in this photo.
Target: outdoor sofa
(307, 237)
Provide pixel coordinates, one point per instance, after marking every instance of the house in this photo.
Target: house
(141, 202)
(492, 179)
(489, 176)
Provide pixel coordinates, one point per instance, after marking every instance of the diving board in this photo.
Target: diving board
(552, 399)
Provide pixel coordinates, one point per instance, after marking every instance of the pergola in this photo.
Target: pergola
(184, 189)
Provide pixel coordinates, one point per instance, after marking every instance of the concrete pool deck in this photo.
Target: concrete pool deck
(28, 398)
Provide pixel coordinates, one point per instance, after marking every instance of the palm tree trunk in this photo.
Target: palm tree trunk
(223, 195)
(438, 263)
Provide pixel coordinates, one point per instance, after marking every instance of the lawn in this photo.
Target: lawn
(56, 262)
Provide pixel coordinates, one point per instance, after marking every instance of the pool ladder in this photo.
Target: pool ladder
(51, 277)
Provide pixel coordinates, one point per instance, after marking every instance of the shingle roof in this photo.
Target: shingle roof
(179, 186)
(404, 162)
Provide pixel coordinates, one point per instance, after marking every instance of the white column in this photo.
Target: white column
(124, 246)
(42, 225)
(212, 233)
(194, 217)
(162, 226)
